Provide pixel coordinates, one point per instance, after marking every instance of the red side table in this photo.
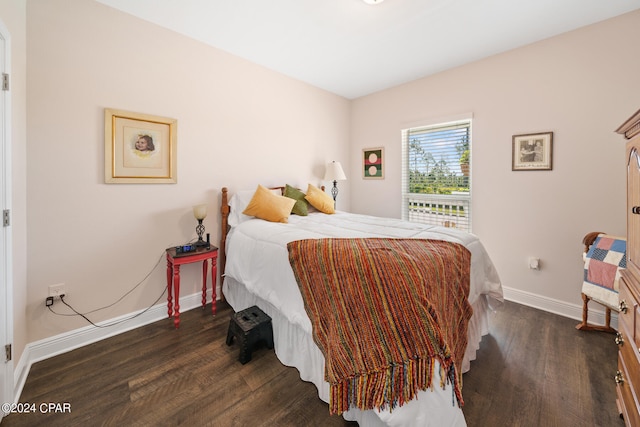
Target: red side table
(174, 261)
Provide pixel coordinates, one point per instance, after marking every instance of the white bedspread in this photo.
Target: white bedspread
(257, 257)
(257, 254)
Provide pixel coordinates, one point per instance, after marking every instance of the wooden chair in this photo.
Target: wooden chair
(602, 264)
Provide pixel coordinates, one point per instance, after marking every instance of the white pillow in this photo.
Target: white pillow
(239, 202)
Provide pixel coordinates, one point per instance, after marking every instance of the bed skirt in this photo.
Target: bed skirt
(295, 347)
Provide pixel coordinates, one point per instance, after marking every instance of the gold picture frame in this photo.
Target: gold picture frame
(532, 152)
(373, 163)
(139, 148)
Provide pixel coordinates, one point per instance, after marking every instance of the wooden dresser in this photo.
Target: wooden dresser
(628, 338)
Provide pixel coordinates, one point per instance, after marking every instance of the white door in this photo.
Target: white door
(6, 300)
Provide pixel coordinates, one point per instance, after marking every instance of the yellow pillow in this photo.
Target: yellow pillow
(266, 205)
(320, 200)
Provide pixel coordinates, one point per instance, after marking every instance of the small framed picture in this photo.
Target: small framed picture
(139, 148)
(532, 152)
(373, 163)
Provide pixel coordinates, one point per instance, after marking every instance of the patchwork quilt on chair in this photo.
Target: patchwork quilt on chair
(606, 256)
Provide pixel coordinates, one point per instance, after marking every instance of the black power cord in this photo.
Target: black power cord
(84, 315)
(106, 325)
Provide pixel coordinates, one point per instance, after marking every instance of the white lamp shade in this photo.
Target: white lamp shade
(200, 211)
(334, 172)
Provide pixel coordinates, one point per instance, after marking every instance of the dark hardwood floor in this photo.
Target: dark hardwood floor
(534, 369)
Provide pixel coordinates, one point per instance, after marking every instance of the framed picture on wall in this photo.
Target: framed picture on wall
(139, 148)
(532, 152)
(373, 163)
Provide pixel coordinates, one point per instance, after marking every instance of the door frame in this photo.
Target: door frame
(6, 252)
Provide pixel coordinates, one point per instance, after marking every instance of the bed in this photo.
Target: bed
(256, 270)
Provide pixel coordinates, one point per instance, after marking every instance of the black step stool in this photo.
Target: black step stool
(251, 326)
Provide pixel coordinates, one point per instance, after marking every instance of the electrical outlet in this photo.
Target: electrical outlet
(56, 290)
(534, 263)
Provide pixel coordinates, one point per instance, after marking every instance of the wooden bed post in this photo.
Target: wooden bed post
(222, 258)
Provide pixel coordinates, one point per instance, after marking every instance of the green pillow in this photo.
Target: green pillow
(301, 206)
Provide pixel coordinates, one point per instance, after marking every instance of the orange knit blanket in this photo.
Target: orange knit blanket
(383, 311)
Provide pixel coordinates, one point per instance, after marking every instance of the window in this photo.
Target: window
(436, 181)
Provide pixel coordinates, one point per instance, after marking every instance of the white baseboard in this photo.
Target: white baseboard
(562, 308)
(62, 343)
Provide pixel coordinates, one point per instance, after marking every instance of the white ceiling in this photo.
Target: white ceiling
(353, 49)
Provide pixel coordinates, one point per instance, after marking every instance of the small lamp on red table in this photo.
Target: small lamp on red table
(200, 213)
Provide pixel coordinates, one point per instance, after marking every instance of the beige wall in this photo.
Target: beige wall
(239, 124)
(581, 85)
(13, 16)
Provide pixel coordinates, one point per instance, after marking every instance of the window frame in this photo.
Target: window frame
(437, 209)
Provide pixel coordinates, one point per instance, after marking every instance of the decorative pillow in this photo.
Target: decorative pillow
(320, 200)
(302, 206)
(238, 203)
(265, 205)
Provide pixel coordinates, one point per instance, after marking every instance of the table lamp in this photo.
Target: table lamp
(334, 173)
(200, 212)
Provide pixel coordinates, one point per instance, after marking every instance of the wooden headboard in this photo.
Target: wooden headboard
(222, 257)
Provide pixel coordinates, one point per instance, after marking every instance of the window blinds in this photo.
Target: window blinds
(436, 182)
